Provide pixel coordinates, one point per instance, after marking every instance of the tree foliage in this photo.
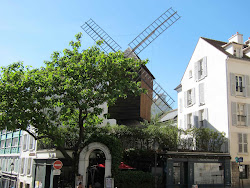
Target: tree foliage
(60, 99)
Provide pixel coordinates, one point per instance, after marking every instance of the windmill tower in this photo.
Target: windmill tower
(156, 99)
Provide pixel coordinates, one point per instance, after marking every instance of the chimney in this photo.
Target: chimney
(238, 38)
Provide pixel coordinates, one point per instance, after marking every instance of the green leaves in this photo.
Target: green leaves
(68, 93)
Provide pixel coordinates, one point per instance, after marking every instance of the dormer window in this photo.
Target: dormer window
(237, 52)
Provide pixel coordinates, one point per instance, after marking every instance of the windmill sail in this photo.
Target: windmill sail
(97, 33)
(162, 23)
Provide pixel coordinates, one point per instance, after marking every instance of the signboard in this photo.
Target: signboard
(56, 172)
(57, 164)
(240, 159)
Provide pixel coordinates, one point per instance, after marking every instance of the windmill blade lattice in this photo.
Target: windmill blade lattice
(162, 23)
(97, 33)
(162, 101)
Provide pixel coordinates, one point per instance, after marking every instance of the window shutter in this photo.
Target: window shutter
(247, 86)
(245, 143)
(205, 118)
(234, 113)
(185, 99)
(196, 71)
(195, 119)
(247, 114)
(201, 94)
(180, 105)
(204, 65)
(185, 121)
(193, 96)
(233, 84)
(240, 142)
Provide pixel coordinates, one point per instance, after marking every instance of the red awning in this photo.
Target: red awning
(121, 166)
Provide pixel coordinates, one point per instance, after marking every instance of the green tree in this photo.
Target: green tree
(66, 95)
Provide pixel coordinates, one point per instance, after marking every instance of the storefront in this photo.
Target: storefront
(185, 169)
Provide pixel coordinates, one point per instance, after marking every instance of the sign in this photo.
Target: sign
(240, 159)
(57, 164)
(56, 172)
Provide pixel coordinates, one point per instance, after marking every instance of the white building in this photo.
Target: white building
(215, 93)
(17, 153)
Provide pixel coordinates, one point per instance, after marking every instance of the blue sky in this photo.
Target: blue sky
(32, 30)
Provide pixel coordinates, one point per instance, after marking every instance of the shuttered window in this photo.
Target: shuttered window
(200, 69)
(243, 145)
(240, 114)
(189, 97)
(239, 85)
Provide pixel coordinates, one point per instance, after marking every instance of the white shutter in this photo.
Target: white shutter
(205, 118)
(232, 84)
(195, 119)
(196, 71)
(204, 65)
(201, 94)
(185, 122)
(234, 113)
(185, 99)
(180, 105)
(247, 114)
(247, 86)
(193, 96)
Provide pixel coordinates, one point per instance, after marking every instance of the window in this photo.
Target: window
(243, 148)
(2, 143)
(243, 171)
(22, 166)
(201, 118)
(29, 166)
(241, 114)
(31, 145)
(15, 142)
(8, 143)
(189, 121)
(25, 142)
(200, 69)
(190, 74)
(189, 97)
(239, 83)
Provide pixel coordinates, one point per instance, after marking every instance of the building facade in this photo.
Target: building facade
(17, 153)
(215, 93)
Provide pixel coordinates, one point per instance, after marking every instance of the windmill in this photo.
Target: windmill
(156, 95)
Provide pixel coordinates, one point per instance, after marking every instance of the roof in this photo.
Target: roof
(170, 115)
(219, 45)
(178, 87)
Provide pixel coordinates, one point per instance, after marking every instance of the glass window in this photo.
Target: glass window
(15, 142)
(8, 143)
(25, 142)
(241, 116)
(29, 166)
(239, 83)
(208, 173)
(2, 143)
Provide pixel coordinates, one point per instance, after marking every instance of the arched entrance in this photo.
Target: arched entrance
(84, 160)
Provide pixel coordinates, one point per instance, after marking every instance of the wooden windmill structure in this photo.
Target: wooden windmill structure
(137, 108)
